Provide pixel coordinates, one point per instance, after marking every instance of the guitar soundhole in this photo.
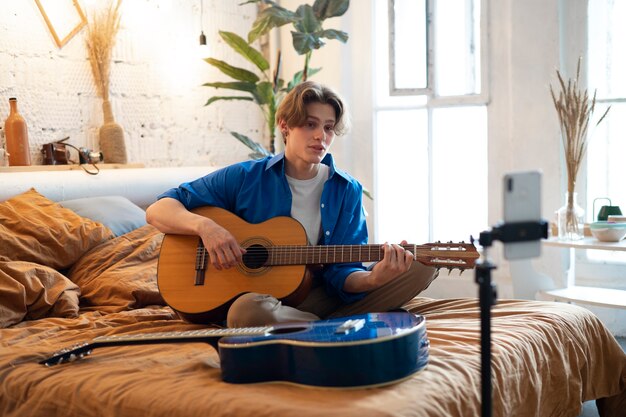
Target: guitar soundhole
(255, 257)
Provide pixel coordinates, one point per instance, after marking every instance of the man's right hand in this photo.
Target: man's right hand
(223, 249)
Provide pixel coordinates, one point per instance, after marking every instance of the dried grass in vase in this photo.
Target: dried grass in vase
(574, 109)
(101, 32)
(102, 29)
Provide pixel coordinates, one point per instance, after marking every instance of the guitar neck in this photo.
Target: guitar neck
(327, 254)
(330, 254)
(210, 336)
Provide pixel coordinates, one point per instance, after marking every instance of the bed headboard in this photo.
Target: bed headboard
(140, 185)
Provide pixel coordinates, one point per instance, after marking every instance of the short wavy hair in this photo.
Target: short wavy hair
(292, 109)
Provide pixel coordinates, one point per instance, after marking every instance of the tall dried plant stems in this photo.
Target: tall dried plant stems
(574, 110)
(101, 32)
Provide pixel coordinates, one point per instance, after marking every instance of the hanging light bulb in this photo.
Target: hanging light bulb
(204, 49)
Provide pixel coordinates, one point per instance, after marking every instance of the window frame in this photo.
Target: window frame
(432, 100)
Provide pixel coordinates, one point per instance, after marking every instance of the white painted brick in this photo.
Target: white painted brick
(156, 82)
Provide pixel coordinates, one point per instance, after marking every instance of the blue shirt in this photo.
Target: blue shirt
(258, 190)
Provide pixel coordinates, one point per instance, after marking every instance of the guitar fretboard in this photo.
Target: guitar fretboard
(326, 254)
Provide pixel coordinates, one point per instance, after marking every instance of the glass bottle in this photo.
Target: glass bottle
(571, 219)
(16, 136)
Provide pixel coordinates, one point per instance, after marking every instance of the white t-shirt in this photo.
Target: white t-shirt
(305, 205)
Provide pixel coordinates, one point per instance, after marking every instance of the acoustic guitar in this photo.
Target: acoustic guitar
(357, 351)
(274, 263)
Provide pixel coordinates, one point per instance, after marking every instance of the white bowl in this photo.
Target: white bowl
(606, 231)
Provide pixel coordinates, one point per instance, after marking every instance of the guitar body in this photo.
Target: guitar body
(381, 348)
(209, 301)
(363, 350)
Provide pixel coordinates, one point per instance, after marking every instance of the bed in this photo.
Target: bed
(77, 262)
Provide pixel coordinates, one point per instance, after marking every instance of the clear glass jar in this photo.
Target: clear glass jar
(571, 219)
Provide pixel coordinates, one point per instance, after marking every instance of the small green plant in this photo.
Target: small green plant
(265, 89)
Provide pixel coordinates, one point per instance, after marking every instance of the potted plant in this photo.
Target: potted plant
(261, 87)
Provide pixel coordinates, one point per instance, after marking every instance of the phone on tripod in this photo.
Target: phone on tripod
(522, 203)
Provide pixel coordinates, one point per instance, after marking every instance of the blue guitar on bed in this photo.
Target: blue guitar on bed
(357, 351)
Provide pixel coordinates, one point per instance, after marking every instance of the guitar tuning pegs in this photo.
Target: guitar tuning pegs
(450, 270)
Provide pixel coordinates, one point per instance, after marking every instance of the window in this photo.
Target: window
(431, 120)
(606, 64)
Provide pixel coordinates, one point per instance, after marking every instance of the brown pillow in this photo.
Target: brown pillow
(31, 291)
(36, 229)
(120, 274)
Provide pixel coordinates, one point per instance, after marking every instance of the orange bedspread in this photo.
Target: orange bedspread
(547, 358)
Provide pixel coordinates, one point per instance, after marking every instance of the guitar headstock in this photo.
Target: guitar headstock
(69, 354)
(448, 255)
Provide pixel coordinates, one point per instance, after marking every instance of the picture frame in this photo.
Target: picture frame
(64, 18)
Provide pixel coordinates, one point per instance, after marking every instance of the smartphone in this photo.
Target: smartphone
(522, 203)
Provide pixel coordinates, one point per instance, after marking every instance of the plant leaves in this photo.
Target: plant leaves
(334, 34)
(233, 72)
(264, 92)
(242, 48)
(297, 78)
(330, 8)
(216, 98)
(307, 21)
(305, 42)
(259, 150)
(268, 19)
(234, 85)
(367, 193)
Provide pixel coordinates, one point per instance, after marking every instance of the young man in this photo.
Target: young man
(303, 183)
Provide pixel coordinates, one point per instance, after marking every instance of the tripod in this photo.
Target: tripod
(487, 294)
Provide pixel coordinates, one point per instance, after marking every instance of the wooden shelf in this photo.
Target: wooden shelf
(604, 297)
(72, 167)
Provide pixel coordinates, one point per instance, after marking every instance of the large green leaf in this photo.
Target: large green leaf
(259, 151)
(233, 72)
(241, 46)
(297, 78)
(264, 93)
(234, 85)
(305, 42)
(216, 98)
(330, 8)
(268, 19)
(334, 34)
(307, 21)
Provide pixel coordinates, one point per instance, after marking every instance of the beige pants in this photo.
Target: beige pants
(253, 309)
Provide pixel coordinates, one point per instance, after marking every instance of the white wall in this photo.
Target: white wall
(156, 79)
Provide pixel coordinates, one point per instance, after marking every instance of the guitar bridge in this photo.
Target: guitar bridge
(201, 262)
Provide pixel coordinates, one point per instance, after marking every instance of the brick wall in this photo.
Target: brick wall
(156, 79)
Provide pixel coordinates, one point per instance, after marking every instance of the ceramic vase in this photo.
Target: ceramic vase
(16, 136)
